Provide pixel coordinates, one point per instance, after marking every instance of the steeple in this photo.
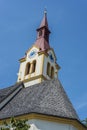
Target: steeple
(39, 63)
(42, 41)
(44, 21)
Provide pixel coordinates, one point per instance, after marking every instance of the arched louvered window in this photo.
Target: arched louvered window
(48, 69)
(27, 71)
(33, 66)
(52, 72)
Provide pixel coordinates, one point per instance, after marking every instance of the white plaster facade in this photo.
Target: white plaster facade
(46, 60)
(41, 67)
(33, 127)
(46, 125)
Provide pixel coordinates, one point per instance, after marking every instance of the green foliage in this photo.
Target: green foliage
(4, 129)
(85, 122)
(15, 125)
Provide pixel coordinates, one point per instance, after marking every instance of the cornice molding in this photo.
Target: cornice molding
(74, 122)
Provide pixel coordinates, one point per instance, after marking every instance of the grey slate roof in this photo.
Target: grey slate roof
(7, 91)
(47, 98)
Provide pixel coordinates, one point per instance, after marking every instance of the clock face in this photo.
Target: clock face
(51, 57)
(32, 53)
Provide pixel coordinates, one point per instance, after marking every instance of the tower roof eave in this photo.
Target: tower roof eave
(42, 28)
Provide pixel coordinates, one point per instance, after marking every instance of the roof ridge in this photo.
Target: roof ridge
(10, 95)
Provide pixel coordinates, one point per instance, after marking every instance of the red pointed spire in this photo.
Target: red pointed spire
(44, 21)
(43, 34)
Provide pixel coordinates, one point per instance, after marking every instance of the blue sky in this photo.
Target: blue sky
(68, 24)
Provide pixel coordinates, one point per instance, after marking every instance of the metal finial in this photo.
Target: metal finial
(45, 11)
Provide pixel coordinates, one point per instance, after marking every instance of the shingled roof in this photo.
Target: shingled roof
(4, 93)
(47, 98)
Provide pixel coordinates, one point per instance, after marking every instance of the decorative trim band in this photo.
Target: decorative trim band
(77, 124)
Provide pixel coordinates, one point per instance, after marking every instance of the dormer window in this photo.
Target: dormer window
(40, 33)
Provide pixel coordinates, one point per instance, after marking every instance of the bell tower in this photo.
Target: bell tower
(39, 63)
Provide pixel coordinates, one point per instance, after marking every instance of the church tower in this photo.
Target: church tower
(39, 63)
(45, 105)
